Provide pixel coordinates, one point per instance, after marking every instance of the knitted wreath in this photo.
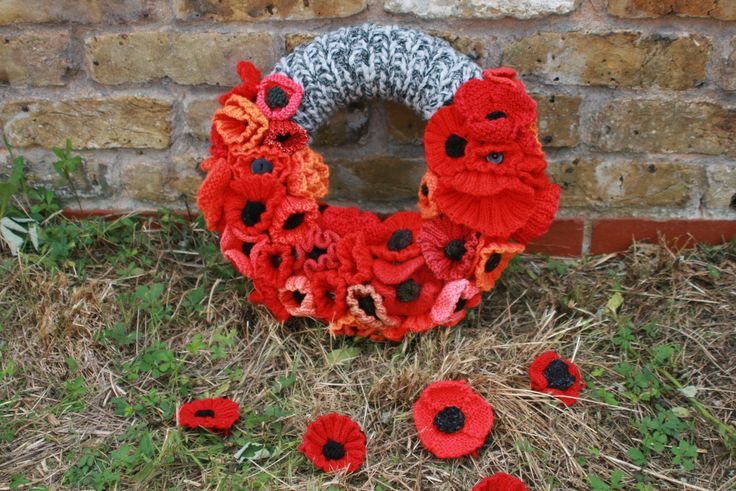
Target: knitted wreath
(485, 193)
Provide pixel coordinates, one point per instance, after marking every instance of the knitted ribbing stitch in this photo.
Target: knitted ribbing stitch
(368, 61)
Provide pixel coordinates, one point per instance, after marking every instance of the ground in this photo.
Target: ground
(116, 323)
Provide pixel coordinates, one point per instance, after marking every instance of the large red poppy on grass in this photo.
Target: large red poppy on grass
(214, 414)
(451, 419)
(500, 481)
(334, 442)
(551, 374)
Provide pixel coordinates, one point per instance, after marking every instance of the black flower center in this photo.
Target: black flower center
(449, 420)
(276, 261)
(425, 190)
(247, 247)
(558, 375)
(323, 207)
(455, 249)
(492, 262)
(455, 146)
(261, 166)
(330, 294)
(252, 212)
(316, 253)
(298, 296)
(204, 413)
(367, 305)
(408, 291)
(495, 115)
(460, 305)
(276, 98)
(333, 450)
(294, 221)
(399, 240)
(282, 137)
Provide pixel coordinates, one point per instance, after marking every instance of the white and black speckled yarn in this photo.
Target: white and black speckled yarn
(369, 61)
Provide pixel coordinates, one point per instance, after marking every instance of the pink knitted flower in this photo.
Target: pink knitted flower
(296, 296)
(237, 248)
(452, 302)
(279, 96)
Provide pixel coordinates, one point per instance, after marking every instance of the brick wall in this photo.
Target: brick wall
(637, 98)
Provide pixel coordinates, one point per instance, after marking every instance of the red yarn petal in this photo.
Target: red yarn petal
(500, 481)
(539, 380)
(341, 430)
(214, 414)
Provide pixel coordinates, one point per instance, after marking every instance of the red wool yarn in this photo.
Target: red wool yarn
(213, 414)
(334, 443)
(500, 481)
(551, 374)
(451, 419)
(485, 194)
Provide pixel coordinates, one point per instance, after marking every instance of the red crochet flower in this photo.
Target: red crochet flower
(279, 96)
(237, 248)
(240, 124)
(334, 442)
(427, 206)
(268, 295)
(262, 160)
(448, 248)
(272, 263)
(446, 142)
(553, 375)
(317, 251)
(344, 220)
(451, 419)
(296, 296)
(500, 481)
(366, 306)
(497, 107)
(354, 258)
(212, 193)
(214, 414)
(493, 257)
(251, 76)
(293, 220)
(250, 203)
(412, 296)
(286, 135)
(329, 290)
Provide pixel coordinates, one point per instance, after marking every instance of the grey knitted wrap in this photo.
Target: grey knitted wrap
(372, 61)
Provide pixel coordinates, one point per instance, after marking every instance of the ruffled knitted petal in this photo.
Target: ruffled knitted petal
(237, 249)
(414, 296)
(286, 135)
(546, 202)
(272, 263)
(344, 220)
(493, 257)
(319, 251)
(311, 175)
(394, 240)
(452, 302)
(448, 248)
(296, 296)
(250, 203)
(279, 96)
(212, 192)
(250, 76)
(498, 215)
(267, 295)
(500, 481)
(261, 161)
(354, 257)
(329, 291)
(240, 123)
(366, 306)
(293, 219)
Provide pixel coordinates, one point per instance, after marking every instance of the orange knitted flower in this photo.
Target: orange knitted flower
(427, 206)
(240, 124)
(310, 177)
(493, 257)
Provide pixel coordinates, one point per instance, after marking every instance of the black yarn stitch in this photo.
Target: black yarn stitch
(450, 420)
(455, 249)
(558, 375)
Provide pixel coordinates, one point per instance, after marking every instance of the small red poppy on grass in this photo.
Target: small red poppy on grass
(334, 442)
(451, 419)
(500, 481)
(214, 414)
(555, 376)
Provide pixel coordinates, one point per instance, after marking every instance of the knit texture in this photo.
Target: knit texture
(373, 61)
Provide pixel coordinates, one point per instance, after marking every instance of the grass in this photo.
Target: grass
(113, 324)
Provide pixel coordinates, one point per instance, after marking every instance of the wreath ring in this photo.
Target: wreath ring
(485, 193)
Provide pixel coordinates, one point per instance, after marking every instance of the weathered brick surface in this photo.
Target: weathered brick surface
(727, 74)
(716, 9)
(116, 122)
(375, 179)
(404, 126)
(35, 58)
(559, 117)
(82, 11)
(198, 114)
(721, 192)
(184, 57)
(665, 126)
(250, 10)
(490, 9)
(347, 126)
(618, 59)
(590, 182)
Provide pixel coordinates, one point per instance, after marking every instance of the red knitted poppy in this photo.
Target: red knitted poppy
(500, 481)
(451, 419)
(555, 376)
(484, 195)
(214, 414)
(333, 443)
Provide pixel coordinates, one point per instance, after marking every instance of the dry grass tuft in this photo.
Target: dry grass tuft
(79, 404)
